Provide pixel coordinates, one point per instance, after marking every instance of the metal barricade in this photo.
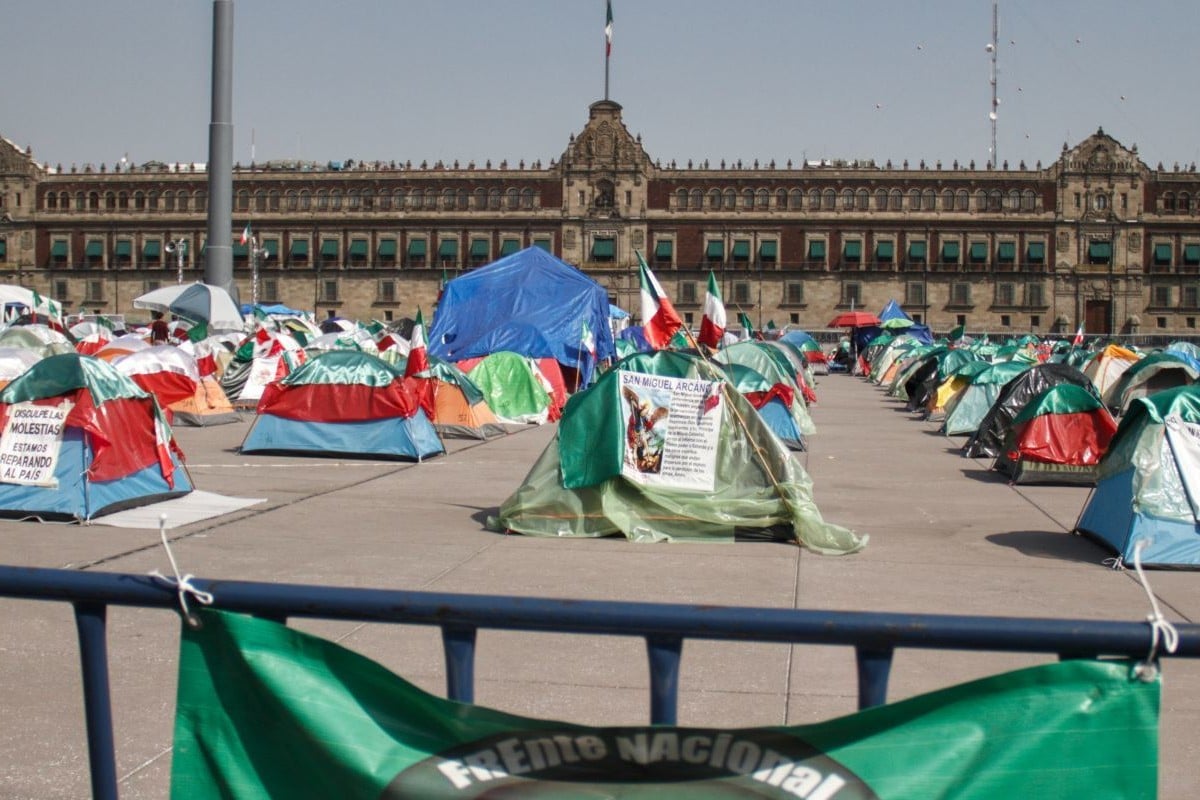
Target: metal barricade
(874, 636)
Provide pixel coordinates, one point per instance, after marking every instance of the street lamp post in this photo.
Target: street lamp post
(179, 248)
(256, 252)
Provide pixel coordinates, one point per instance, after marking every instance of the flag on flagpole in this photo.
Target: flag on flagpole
(1078, 340)
(442, 286)
(747, 325)
(246, 233)
(660, 321)
(418, 358)
(587, 340)
(712, 326)
(608, 28)
(957, 333)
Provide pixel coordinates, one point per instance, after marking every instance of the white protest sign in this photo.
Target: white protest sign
(31, 442)
(1184, 438)
(671, 427)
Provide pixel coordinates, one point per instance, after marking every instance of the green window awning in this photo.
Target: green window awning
(152, 249)
(509, 246)
(885, 251)
(852, 250)
(1162, 254)
(479, 248)
(58, 249)
(1036, 252)
(359, 248)
(416, 248)
(124, 247)
(715, 250)
(3, 248)
(950, 252)
(1100, 250)
(272, 248)
(816, 250)
(448, 248)
(767, 250)
(1006, 251)
(387, 248)
(300, 248)
(542, 243)
(741, 249)
(329, 248)
(663, 249)
(603, 247)
(916, 251)
(1191, 254)
(94, 249)
(978, 251)
(239, 251)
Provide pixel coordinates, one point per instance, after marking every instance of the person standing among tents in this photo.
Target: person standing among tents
(159, 332)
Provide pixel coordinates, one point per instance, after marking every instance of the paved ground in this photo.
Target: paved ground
(947, 536)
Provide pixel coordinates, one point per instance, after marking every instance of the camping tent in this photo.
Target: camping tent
(989, 438)
(164, 371)
(1153, 373)
(458, 405)
(343, 402)
(207, 406)
(1058, 437)
(976, 400)
(530, 303)
(660, 449)
(513, 390)
(103, 442)
(1147, 487)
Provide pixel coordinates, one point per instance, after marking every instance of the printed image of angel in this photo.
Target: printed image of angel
(645, 432)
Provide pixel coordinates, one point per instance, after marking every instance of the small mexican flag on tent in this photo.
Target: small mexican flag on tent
(659, 318)
(957, 333)
(712, 326)
(747, 326)
(418, 358)
(52, 308)
(198, 332)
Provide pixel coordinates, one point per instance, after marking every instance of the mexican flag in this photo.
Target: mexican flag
(264, 710)
(418, 357)
(659, 318)
(712, 327)
(246, 234)
(747, 326)
(608, 28)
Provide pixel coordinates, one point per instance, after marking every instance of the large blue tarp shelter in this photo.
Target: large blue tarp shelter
(530, 303)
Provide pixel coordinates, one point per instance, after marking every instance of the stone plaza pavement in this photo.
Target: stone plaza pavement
(947, 536)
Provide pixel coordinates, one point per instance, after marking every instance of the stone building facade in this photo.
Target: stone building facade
(1096, 237)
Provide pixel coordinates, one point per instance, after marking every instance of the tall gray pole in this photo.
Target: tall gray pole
(218, 255)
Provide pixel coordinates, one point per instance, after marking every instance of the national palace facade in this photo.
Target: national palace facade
(1095, 237)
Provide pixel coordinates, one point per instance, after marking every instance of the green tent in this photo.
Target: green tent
(599, 476)
(510, 388)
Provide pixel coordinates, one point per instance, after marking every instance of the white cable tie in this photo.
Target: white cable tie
(181, 583)
(1160, 628)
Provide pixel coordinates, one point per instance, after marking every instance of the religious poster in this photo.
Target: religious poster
(671, 427)
(30, 443)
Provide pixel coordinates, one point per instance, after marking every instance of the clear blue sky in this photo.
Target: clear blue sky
(89, 81)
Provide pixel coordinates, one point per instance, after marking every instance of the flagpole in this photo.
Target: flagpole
(608, 25)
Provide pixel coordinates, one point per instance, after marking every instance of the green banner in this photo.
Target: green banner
(265, 711)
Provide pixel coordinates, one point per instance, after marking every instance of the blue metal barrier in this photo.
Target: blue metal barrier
(875, 636)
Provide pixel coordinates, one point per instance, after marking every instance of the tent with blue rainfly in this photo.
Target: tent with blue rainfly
(343, 402)
(1148, 489)
(102, 443)
(530, 303)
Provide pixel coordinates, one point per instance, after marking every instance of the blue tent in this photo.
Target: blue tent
(277, 308)
(530, 303)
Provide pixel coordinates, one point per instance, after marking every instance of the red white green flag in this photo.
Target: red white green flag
(660, 321)
(418, 358)
(712, 327)
(608, 28)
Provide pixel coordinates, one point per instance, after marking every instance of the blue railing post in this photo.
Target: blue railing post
(458, 643)
(874, 666)
(664, 653)
(90, 623)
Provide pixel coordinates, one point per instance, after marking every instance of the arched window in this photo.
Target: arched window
(243, 200)
(110, 201)
(995, 200)
(762, 198)
(181, 200)
(681, 199)
(696, 199)
(51, 201)
(1185, 202)
(1028, 200)
(948, 200)
(714, 199)
(895, 200)
(400, 199)
(273, 200)
(292, 200)
(747, 199)
(781, 198)
(881, 198)
(200, 201)
(512, 199)
(322, 200)
(152, 201)
(480, 199)
(828, 200)
(94, 201)
(494, 199)
(368, 199)
(168, 201)
(730, 199)
(527, 198)
(961, 200)
(929, 199)
(980, 200)
(305, 200)
(1168, 201)
(80, 202)
(862, 200)
(335, 200)
(260, 200)
(1014, 200)
(814, 200)
(847, 199)
(64, 201)
(795, 199)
